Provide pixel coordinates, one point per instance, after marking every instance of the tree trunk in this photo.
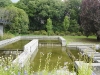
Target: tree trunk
(98, 35)
(98, 38)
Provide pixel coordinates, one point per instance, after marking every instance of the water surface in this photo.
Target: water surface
(56, 54)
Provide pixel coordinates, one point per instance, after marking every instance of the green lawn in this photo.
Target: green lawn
(83, 39)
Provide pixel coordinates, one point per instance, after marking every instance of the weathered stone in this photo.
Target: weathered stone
(1, 30)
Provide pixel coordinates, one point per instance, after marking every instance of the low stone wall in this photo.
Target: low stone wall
(9, 41)
(29, 50)
(61, 39)
(40, 37)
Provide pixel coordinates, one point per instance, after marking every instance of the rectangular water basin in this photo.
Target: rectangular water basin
(13, 49)
(56, 54)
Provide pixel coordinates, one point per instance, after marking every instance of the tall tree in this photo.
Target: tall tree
(90, 17)
(40, 10)
(66, 23)
(74, 26)
(49, 26)
(73, 11)
(17, 18)
(4, 3)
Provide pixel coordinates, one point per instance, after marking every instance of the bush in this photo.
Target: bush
(7, 36)
(62, 33)
(52, 33)
(43, 32)
(67, 33)
(57, 33)
(79, 33)
(73, 34)
(37, 32)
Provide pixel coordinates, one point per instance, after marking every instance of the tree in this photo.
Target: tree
(17, 20)
(73, 11)
(66, 23)
(49, 26)
(90, 17)
(74, 27)
(4, 3)
(40, 10)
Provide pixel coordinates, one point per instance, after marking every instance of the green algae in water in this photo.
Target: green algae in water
(16, 45)
(56, 52)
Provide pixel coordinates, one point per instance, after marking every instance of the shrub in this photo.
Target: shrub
(79, 33)
(73, 34)
(37, 32)
(43, 32)
(67, 33)
(7, 36)
(57, 33)
(52, 33)
(62, 34)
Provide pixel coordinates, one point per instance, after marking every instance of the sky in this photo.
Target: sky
(14, 1)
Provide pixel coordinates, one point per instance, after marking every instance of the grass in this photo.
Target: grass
(83, 39)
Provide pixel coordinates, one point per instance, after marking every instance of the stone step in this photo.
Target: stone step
(96, 58)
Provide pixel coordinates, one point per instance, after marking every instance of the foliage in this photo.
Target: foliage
(17, 20)
(67, 33)
(73, 10)
(49, 26)
(4, 3)
(57, 33)
(79, 33)
(90, 19)
(37, 33)
(43, 32)
(66, 23)
(74, 26)
(6, 36)
(40, 10)
(73, 34)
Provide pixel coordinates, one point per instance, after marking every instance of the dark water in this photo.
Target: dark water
(58, 54)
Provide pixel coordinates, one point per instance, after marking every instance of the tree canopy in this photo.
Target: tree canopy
(40, 10)
(17, 18)
(4, 3)
(90, 17)
(73, 11)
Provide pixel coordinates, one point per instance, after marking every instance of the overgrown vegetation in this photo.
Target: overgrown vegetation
(7, 36)
(38, 12)
(7, 68)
